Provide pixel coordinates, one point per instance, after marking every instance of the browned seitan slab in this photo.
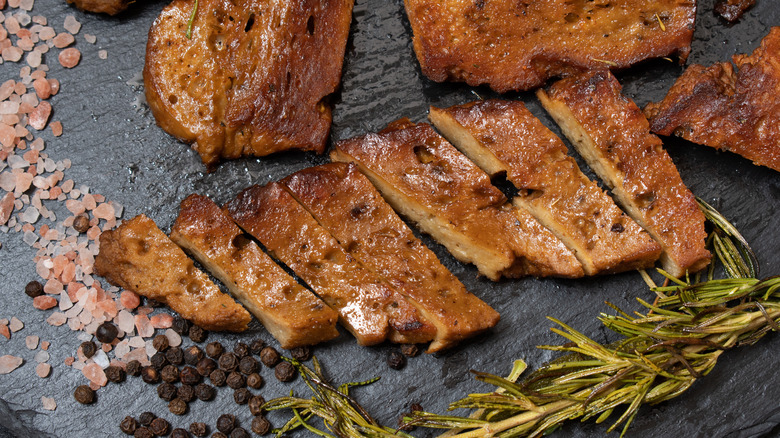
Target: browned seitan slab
(349, 207)
(613, 136)
(427, 180)
(368, 307)
(137, 256)
(290, 312)
(503, 137)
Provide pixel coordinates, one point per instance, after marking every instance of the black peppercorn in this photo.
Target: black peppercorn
(199, 429)
(410, 350)
(186, 393)
(106, 332)
(218, 377)
(84, 395)
(81, 223)
(179, 433)
(189, 376)
(204, 391)
(284, 371)
(396, 360)
(256, 404)
(166, 391)
(192, 355)
(218, 435)
(226, 423)
(254, 381)
(143, 432)
(205, 366)
(160, 343)
(301, 353)
(214, 350)
(257, 346)
(269, 357)
(235, 380)
(150, 375)
(160, 426)
(128, 425)
(177, 406)
(158, 360)
(241, 396)
(175, 355)
(241, 350)
(239, 432)
(34, 289)
(261, 425)
(133, 368)
(228, 362)
(617, 228)
(180, 326)
(88, 349)
(248, 365)
(146, 418)
(115, 374)
(197, 334)
(169, 374)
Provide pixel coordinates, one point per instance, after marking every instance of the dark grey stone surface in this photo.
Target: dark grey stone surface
(118, 151)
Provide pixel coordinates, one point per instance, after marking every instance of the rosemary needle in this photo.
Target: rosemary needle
(192, 20)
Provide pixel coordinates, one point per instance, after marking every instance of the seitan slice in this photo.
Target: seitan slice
(503, 137)
(137, 256)
(290, 312)
(369, 308)
(613, 136)
(733, 111)
(732, 10)
(252, 79)
(519, 45)
(428, 181)
(349, 207)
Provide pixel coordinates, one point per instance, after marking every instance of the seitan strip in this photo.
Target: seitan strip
(346, 203)
(503, 137)
(369, 308)
(137, 256)
(428, 181)
(613, 136)
(289, 311)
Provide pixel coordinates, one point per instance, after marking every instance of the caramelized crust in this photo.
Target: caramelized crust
(252, 79)
(368, 307)
(428, 181)
(503, 137)
(137, 256)
(518, 45)
(732, 10)
(613, 136)
(349, 207)
(737, 112)
(290, 312)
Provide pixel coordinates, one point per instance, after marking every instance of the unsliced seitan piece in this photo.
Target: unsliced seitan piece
(368, 307)
(728, 110)
(503, 137)
(110, 7)
(290, 312)
(732, 10)
(251, 79)
(137, 256)
(613, 136)
(428, 181)
(519, 45)
(349, 207)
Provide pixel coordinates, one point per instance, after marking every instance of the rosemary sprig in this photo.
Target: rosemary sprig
(191, 20)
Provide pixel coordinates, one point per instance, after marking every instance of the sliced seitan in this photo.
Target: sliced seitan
(613, 136)
(428, 181)
(349, 207)
(289, 311)
(137, 256)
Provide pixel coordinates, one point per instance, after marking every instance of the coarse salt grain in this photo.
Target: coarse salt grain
(101, 359)
(94, 373)
(31, 342)
(42, 356)
(38, 119)
(44, 302)
(48, 403)
(102, 54)
(69, 57)
(16, 324)
(63, 40)
(5, 331)
(57, 319)
(9, 363)
(174, 339)
(43, 370)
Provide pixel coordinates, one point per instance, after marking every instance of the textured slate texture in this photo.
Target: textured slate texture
(118, 151)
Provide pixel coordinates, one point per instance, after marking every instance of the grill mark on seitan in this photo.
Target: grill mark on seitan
(349, 207)
(291, 313)
(613, 136)
(137, 256)
(504, 137)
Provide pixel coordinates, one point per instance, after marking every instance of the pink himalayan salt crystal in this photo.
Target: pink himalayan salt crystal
(5, 331)
(94, 374)
(48, 403)
(70, 57)
(108, 307)
(40, 116)
(89, 201)
(53, 287)
(7, 135)
(12, 54)
(72, 25)
(63, 40)
(104, 211)
(16, 324)
(31, 342)
(69, 360)
(162, 321)
(94, 386)
(130, 300)
(174, 339)
(44, 302)
(143, 326)
(43, 370)
(45, 345)
(138, 354)
(56, 128)
(93, 233)
(6, 207)
(57, 319)
(68, 272)
(9, 363)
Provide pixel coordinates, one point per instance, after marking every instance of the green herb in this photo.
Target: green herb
(192, 20)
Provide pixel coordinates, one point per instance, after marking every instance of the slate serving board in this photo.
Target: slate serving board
(118, 151)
